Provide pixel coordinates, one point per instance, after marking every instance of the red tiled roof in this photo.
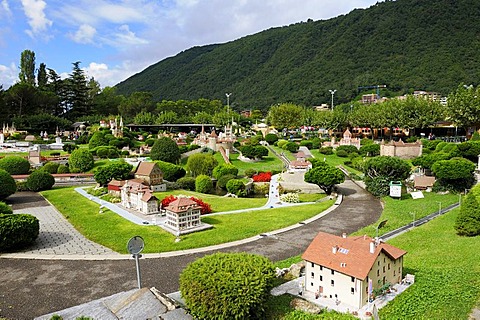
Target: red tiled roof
(117, 183)
(148, 196)
(145, 168)
(423, 181)
(181, 205)
(353, 255)
(299, 164)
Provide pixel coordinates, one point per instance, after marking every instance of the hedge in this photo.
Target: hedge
(39, 180)
(17, 231)
(5, 208)
(224, 169)
(227, 286)
(203, 184)
(171, 172)
(15, 165)
(237, 187)
(186, 183)
(7, 184)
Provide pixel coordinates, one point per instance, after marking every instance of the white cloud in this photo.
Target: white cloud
(8, 75)
(84, 34)
(34, 10)
(5, 8)
(109, 77)
(125, 37)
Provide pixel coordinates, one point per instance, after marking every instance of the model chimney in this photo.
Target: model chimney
(372, 247)
(344, 235)
(334, 249)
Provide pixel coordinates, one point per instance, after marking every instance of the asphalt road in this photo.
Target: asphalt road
(30, 288)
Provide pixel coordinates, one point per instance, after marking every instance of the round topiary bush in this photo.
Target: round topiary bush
(227, 286)
(165, 149)
(51, 167)
(102, 152)
(39, 180)
(342, 153)
(186, 183)
(203, 184)
(223, 169)
(17, 231)
(80, 160)
(222, 182)
(7, 184)
(5, 208)
(15, 165)
(250, 172)
(236, 187)
(63, 169)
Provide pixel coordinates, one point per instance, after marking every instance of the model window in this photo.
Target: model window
(332, 282)
(311, 263)
(313, 275)
(321, 268)
(384, 269)
(333, 272)
(321, 278)
(353, 279)
(389, 266)
(378, 273)
(352, 290)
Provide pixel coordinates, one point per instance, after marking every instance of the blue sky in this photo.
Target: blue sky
(116, 39)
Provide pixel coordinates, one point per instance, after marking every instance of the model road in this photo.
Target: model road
(31, 287)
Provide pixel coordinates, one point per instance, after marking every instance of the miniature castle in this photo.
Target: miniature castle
(347, 140)
(401, 149)
(214, 141)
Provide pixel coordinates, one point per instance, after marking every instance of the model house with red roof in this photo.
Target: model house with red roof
(348, 269)
(182, 214)
(151, 175)
(137, 196)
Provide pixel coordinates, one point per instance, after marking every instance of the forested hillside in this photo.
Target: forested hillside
(407, 44)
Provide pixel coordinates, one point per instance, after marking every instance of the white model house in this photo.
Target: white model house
(137, 196)
(182, 214)
(348, 269)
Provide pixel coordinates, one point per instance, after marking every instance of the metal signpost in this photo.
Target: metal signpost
(135, 246)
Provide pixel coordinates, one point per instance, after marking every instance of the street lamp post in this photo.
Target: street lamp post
(332, 92)
(439, 207)
(228, 101)
(413, 223)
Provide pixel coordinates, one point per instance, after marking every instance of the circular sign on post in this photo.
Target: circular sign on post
(135, 245)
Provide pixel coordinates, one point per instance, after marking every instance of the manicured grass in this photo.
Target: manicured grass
(287, 153)
(112, 231)
(218, 204)
(446, 269)
(400, 212)
(269, 163)
(335, 161)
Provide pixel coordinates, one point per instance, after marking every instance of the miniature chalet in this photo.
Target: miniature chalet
(137, 193)
(137, 196)
(300, 164)
(182, 214)
(151, 175)
(348, 269)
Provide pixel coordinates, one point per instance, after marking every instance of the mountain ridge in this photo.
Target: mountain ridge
(406, 44)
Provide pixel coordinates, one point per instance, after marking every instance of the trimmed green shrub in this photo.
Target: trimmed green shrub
(7, 184)
(81, 160)
(250, 172)
(186, 183)
(468, 219)
(203, 184)
(271, 138)
(306, 143)
(291, 146)
(50, 167)
(341, 153)
(17, 231)
(378, 186)
(63, 169)
(223, 169)
(455, 174)
(102, 152)
(222, 182)
(113, 153)
(347, 149)
(227, 286)
(116, 170)
(15, 165)
(69, 147)
(236, 187)
(201, 164)
(5, 208)
(316, 142)
(165, 149)
(98, 139)
(475, 136)
(326, 150)
(281, 143)
(171, 172)
(39, 180)
(370, 150)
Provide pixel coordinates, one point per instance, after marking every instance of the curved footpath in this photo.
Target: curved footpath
(33, 287)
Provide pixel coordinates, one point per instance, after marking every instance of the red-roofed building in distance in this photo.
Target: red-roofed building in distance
(182, 214)
(348, 269)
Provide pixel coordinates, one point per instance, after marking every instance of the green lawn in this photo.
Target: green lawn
(333, 160)
(112, 231)
(269, 163)
(400, 212)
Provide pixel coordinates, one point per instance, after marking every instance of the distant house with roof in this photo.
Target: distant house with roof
(300, 164)
(151, 175)
(348, 269)
(401, 149)
(347, 140)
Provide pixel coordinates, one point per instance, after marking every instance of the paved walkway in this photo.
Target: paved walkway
(58, 237)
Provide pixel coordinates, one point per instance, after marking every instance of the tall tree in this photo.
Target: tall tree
(42, 78)
(77, 93)
(27, 67)
(135, 103)
(57, 86)
(285, 115)
(464, 106)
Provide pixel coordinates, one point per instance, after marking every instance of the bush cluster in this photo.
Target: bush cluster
(224, 169)
(236, 187)
(15, 165)
(171, 172)
(186, 183)
(227, 286)
(203, 184)
(50, 167)
(222, 182)
(165, 149)
(326, 150)
(39, 180)
(81, 160)
(205, 207)
(250, 172)
(17, 231)
(7, 184)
